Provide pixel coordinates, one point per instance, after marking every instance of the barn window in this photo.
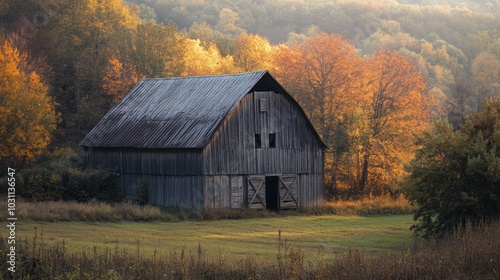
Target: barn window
(272, 140)
(258, 141)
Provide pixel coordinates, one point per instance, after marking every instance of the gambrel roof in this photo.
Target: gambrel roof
(183, 112)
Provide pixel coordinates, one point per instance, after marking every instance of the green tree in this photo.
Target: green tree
(80, 40)
(455, 176)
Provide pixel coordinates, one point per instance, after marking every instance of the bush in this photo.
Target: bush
(40, 183)
(67, 178)
(141, 193)
(455, 176)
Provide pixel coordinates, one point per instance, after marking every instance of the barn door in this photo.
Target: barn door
(288, 189)
(257, 192)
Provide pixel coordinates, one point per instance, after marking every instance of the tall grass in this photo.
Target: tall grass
(380, 205)
(62, 211)
(94, 211)
(471, 254)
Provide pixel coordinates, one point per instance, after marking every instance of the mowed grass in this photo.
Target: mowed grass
(231, 239)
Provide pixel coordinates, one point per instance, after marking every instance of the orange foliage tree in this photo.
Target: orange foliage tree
(398, 108)
(324, 74)
(118, 80)
(366, 111)
(27, 115)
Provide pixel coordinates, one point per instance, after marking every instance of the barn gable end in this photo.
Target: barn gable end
(214, 141)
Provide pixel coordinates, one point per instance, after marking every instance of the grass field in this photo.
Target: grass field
(231, 239)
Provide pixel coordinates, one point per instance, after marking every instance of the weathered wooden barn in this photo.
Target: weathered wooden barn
(236, 140)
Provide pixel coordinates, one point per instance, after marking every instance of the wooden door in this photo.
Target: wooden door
(257, 192)
(288, 190)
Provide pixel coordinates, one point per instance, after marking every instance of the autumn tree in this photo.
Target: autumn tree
(27, 115)
(486, 77)
(324, 75)
(158, 51)
(208, 36)
(228, 22)
(398, 109)
(252, 52)
(199, 60)
(118, 80)
(81, 38)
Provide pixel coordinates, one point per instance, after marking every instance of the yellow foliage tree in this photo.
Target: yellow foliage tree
(205, 61)
(117, 80)
(252, 52)
(27, 115)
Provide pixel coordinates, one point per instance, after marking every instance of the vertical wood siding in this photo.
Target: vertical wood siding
(218, 176)
(233, 152)
(174, 177)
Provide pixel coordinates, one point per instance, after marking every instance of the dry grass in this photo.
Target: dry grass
(55, 211)
(382, 205)
(473, 254)
(94, 211)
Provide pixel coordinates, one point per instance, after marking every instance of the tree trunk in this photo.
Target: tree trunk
(364, 175)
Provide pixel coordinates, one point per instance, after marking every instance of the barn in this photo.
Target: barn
(225, 141)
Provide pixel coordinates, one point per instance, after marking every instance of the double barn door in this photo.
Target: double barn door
(273, 192)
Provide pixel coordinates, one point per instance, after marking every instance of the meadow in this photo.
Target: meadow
(365, 239)
(231, 239)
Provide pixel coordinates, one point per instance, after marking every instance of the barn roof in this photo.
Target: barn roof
(180, 112)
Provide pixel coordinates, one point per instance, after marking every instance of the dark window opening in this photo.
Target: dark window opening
(272, 192)
(258, 141)
(272, 140)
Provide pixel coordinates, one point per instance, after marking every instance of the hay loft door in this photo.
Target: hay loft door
(273, 192)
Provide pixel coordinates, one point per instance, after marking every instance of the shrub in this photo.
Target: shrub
(67, 178)
(141, 193)
(455, 176)
(40, 183)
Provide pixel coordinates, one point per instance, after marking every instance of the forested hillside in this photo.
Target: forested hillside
(369, 74)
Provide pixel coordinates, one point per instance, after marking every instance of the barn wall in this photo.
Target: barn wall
(310, 190)
(233, 149)
(148, 161)
(174, 177)
(171, 191)
(233, 152)
(224, 191)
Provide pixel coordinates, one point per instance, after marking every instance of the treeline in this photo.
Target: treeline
(455, 43)
(367, 84)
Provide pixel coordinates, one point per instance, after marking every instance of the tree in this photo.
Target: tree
(252, 52)
(454, 178)
(159, 51)
(486, 76)
(227, 22)
(324, 75)
(27, 115)
(398, 108)
(81, 37)
(206, 61)
(118, 80)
